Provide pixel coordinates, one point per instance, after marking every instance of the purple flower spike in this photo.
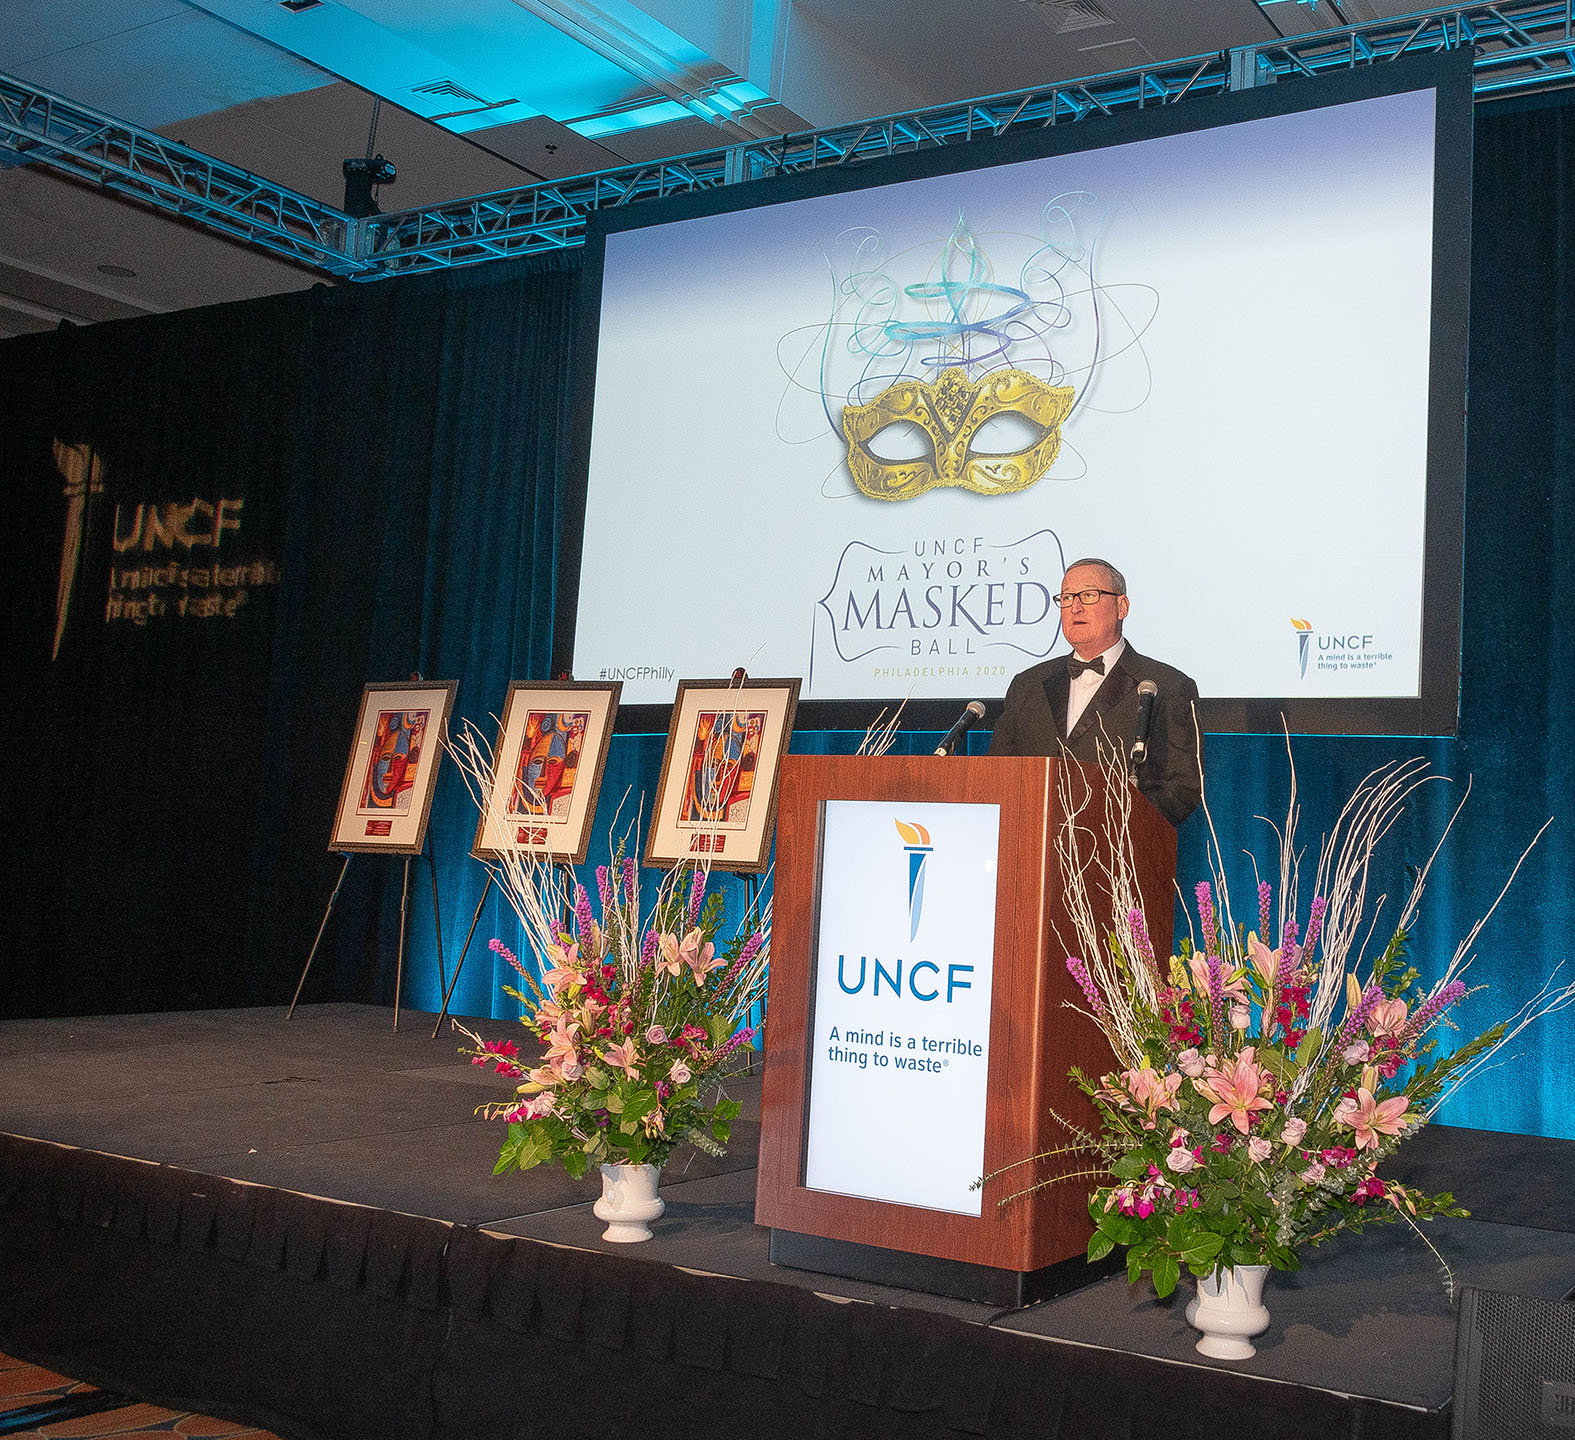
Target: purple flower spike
(1357, 1018)
(1217, 998)
(1140, 936)
(1085, 981)
(696, 895)
(631, 879)
(604, 887)
(1314, 926)
(582, 910)
(499, 948)
(748, 953)
(1430, 1009)
(1205, 894)
(1265, 895)
(648, 949)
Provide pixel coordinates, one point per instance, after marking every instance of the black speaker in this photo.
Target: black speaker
(1514, 1368)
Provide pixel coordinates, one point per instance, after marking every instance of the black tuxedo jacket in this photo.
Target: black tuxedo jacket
(1034, 723)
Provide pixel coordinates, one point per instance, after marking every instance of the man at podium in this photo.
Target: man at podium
(1104, 692)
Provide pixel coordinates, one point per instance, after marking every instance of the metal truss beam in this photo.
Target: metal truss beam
(37, 127)
(1519, 45)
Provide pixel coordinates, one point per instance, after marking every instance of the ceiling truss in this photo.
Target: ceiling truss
(1519, 45)
(39, 128)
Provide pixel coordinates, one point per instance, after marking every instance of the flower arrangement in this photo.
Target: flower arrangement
(637, 1018)
(634, 1017)
(1259, 1087)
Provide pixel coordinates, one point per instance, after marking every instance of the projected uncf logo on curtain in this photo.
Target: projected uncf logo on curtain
(903, 981)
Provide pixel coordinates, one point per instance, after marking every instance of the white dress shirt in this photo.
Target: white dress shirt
(1084, 687)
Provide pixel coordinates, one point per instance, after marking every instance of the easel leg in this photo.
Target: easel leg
(312, 953)
(752, 888)
(399, 962)
(437, 923)
(464, 949)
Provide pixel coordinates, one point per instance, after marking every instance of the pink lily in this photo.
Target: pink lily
(1238, 1088)
(623, 1057)
(562, 1041)
(700, 956)
(565, 970)
(1387, 1017)
(1234, 987)
(1149, 1092)
(1372, 1118)
(1264, 960)
(669, 958)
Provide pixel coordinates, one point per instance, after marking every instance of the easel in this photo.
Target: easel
(565, 866)
(464, 950)
(404, 908)
(753, 885)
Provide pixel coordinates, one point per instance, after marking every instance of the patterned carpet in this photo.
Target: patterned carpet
(37, 1404)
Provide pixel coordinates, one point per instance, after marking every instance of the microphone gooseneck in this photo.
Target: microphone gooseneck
(971, 715)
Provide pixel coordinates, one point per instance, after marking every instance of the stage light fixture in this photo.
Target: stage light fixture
(362, 173)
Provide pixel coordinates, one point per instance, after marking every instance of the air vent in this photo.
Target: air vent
(1067, 16)
(444, 89)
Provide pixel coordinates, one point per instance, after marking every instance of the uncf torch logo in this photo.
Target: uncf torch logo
(1304, 634)
(916, 841)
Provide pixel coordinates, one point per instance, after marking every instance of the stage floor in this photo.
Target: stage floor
(335, 1104)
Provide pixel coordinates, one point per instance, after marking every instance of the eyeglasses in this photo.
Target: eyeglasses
(1086, 598)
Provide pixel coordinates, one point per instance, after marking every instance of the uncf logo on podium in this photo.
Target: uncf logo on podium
(916, 841)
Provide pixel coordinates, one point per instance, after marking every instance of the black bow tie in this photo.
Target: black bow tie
(1075, 667)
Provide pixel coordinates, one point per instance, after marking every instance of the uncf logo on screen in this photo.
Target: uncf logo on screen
(916, 841)
(1304, 631)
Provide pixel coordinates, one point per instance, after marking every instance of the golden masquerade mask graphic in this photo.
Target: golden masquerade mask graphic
(951, 411)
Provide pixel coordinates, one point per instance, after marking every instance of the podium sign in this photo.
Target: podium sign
(902, 989)
(922, 1020)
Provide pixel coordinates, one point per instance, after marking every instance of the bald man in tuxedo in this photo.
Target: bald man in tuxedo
(1075, 703)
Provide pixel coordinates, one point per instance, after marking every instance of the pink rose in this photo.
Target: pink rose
(680, 1074)
(1191, 1063)
(1259, 1149)
(1313, 1174)
(1294, 1129)
(1181, 1160)
(656, 1035)
(1240, 1017)
(1356, 1052)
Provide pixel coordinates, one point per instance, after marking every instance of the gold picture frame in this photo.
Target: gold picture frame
(386, 798)
(716, 800)
(547, 769)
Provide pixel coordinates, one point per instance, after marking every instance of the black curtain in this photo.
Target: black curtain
(394, 450)
(169, 787)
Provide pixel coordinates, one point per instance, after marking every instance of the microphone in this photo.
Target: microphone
(1148, 693)
(965, 722)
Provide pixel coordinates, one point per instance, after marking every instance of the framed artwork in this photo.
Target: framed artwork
(547, 769)
(387, 792)
(717, 797)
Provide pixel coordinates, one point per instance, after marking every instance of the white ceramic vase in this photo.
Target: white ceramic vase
(629, 1202)
(1229, 1310)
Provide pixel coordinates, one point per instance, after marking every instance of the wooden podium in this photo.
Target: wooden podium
(1006, 1255)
